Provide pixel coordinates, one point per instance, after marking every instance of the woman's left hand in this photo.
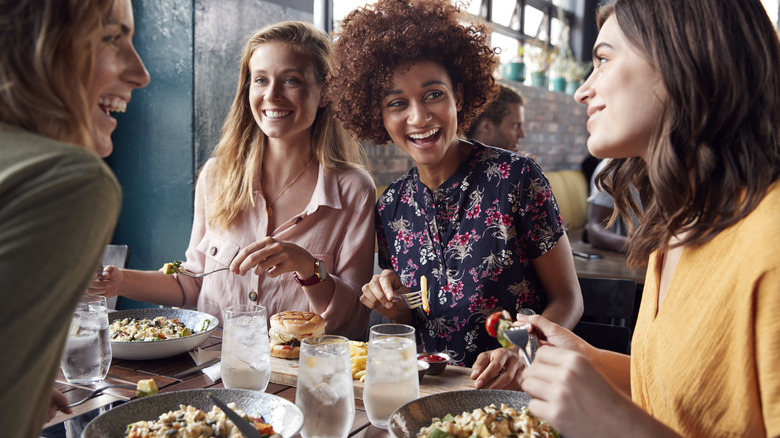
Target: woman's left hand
(58, 399)
(498, 369)
(273, 258)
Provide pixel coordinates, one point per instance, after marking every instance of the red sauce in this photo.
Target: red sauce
(432, 358)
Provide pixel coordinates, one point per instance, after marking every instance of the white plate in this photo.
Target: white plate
(280, 413)
(164, 348)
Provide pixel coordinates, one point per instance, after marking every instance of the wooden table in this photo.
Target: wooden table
(610, 265)
(282, 384)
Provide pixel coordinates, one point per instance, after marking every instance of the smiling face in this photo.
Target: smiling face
(117, 72)
(420, 112)
(624, 94)
(284, 94)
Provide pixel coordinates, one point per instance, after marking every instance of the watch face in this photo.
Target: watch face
(321, 271)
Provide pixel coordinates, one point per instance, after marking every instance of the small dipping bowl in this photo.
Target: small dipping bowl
(422, 368)
(437, 361)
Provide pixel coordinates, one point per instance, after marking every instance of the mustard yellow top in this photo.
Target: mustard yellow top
(708, 364)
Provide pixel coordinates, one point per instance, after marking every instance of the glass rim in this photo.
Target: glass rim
(243, 309)
(399, 329)
(330, 339)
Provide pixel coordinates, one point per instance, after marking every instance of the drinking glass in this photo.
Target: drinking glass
(391, 371)
(87, 354)
(324, 391)
(246, 354)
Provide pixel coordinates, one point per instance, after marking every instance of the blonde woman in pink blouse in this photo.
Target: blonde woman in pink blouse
(283, 202)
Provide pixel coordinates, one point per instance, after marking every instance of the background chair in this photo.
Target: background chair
(607, 320)
(116, 255)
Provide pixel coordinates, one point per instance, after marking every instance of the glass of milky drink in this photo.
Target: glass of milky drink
(246, 354)
(87, 354)
(324, 391)
(391, 371)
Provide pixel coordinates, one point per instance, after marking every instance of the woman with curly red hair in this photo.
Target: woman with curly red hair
(479, 223)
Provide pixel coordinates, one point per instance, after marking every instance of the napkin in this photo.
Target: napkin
(200, 355)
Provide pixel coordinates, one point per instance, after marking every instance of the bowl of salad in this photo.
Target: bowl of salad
(156, 333)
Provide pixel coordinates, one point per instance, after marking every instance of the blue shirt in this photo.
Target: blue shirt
(473, 238)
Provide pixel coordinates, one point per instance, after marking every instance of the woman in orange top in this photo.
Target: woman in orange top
(685, 96)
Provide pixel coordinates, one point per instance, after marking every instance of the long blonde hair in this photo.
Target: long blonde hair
(46, 61)
(238, 155)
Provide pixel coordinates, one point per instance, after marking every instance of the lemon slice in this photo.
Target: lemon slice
(425, 304)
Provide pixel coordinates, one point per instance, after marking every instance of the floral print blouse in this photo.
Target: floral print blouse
(473, 238)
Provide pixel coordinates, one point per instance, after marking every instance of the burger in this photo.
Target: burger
(289, 327)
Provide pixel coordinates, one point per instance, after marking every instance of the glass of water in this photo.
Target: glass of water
(324, 391)
(246, 354)
(87, 354)
(391, 371)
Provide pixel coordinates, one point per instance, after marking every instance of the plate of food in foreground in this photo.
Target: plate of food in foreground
(192, 414)
(477, 412)
(143, 334)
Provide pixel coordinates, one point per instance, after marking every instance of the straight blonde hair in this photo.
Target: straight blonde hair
(238, 155)
(46, 62)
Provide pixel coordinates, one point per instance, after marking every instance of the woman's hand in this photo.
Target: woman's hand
(109, 285)
(57, 399)
(378, 294)
(568, 392)
(551, 333)
(498, 369)
(273, 258)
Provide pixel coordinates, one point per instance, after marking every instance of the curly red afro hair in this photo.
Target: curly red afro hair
(378, 39)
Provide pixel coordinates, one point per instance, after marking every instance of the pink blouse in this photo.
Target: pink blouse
(337, 226)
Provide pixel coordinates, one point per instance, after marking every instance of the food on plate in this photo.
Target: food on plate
(145, 388)
(425, 304)
(189, 421)
(289, 327)
(172, 268)
(489, 422)
(146, 330)
(496, 324)
(358, 353)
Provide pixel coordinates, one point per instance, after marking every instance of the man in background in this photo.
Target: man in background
(502, 123)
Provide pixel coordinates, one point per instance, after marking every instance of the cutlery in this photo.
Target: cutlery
(96, 393)
(413, 299)
(194, 275)
(246, 428)
(519, 337)
(196, 368)
(534, 340)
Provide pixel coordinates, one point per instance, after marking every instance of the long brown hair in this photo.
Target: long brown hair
(240, 149)
(716, 149)
(46, 61)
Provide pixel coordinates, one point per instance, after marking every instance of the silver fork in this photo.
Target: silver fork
(519, 337)
(534, 340)
(96, 393)
(413, 299)
(194, 275)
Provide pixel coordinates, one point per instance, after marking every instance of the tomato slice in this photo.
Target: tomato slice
(491, 324)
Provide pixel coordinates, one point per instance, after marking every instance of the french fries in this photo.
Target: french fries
(358, 353)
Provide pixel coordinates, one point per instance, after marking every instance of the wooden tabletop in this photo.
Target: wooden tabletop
(282, 384)
(610, 265)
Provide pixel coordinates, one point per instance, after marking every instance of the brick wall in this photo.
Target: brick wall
(555, 134)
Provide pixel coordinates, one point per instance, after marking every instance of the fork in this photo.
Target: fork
(96, 393)
(413, 299)
(194, 275)
(534, 340)
(519, 337)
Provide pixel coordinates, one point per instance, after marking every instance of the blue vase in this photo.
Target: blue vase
(514, 71)
(539, 79)
(572, 86)
(558, 84)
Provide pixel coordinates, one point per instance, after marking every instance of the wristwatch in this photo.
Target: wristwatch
(320, 274)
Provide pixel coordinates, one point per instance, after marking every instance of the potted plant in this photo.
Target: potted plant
(575, 72)
(539, 57)
(514, 70)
